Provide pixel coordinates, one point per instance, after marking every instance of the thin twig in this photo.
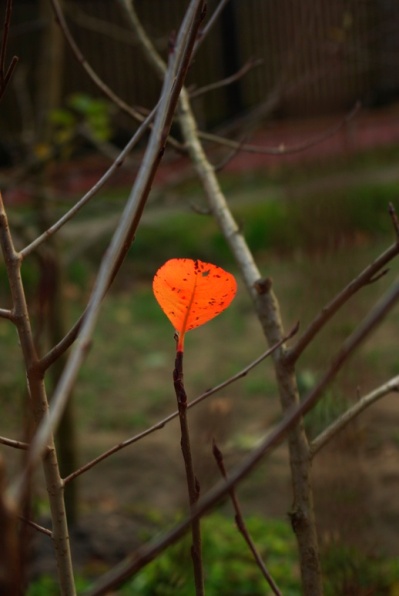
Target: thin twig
(14, 443)
(247, 67)
(4, 39)
(126, 229)
(121, 572)
(94, 189)
(192, 482)
(221, 164)
(37, 527)
(339, 300)
(63, 345)
(211, 22)
(39, 406)
(282, 149)
(335, 427)
(241, 525)
(98, 82)
(5, 313)
(162, 423)
(5, 76)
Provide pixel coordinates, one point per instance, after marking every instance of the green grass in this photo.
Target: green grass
(229, 567)
(311, 247)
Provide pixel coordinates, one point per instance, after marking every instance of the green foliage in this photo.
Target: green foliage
(347, 572)
(95, 112)
(228, 564)
(80, 107)
(45, 586)
(48, 586)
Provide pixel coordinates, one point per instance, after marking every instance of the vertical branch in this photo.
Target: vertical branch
(39, 404)
(5, 75)
(241, 525)
(192, 482)
(129, 221)
(268, 311)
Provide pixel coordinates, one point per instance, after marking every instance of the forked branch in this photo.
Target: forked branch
(126, 229)
(162, 423)
(121, 572)
(241, 525)
(369, 274)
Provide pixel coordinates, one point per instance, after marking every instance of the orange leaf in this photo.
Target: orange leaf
(192, 292)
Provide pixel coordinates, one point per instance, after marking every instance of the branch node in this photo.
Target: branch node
(263, 285)
(378, 276)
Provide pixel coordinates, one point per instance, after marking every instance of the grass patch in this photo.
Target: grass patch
(228, 565)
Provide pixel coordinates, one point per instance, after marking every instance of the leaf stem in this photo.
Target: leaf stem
(192, 482)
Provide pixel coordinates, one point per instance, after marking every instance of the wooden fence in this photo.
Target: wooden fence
(318, 56)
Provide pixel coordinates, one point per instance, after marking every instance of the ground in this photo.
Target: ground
(356, 477)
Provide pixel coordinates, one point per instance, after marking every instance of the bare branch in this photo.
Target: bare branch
(241, 525)
(59, 15)
(193, 487)
(205, 31)
(5, 75)
(367, 275)
(63, 345)
(152, 56)
(7, 314)
(248, 66)
(335, 427)
(13, 443)
(230, 155)
(118, 101)
(281, 149)
(36, 526)
(146, 554)
(128, 224)
(191, 404)
(38, 397)
(90, 194)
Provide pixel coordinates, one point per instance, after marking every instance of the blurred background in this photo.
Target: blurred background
(314, 218)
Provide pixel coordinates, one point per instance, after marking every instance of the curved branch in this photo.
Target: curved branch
(365, 277)
(97, 186)
(13, 443)
(125, 231)
(146, 554)
(205, 31)
(241, 525)
(170, 417)
(363, 403)
(98, 82)
(281, 149)
(228, 80)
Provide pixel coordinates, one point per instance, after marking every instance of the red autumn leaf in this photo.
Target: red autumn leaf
(192, 292)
